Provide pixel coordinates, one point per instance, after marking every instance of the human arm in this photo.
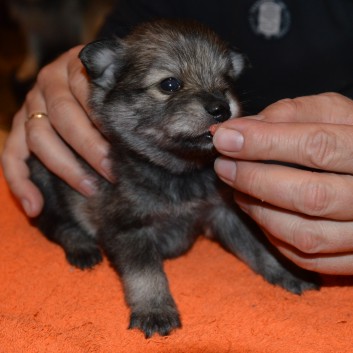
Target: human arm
(306, 213)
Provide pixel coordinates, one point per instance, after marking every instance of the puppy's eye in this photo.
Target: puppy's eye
(170, 84)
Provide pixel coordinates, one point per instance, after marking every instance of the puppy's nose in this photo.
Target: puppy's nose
(219, 110)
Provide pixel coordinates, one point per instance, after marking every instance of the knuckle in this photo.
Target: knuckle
(283, 108)
(58, 107)
(340, 104)
(79, 88)
(320, 147)
(72, 52)
(87, 148)
(30, 96)
(331, 96)
(288, 106)
(76, 78)
(90, 146)
(314, 198)
(44, 74)
(66, 173)
(306, 239)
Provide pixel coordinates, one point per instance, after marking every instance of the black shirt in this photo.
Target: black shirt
(294, 47)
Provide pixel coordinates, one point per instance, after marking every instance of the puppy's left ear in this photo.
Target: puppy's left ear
(239, 62)
(103, 59)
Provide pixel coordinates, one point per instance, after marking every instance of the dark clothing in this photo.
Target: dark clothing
(294, 47)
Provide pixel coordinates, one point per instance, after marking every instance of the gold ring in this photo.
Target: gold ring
(38, 115)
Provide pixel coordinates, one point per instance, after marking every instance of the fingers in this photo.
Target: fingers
(77, 79)
(322, 108)
(307, 234)
(44, 142)
(319, 146)
(61, 91)
(316, 194)
(314, 131)
(66, 100)
(306, 214)
(315, 244)
(16, 171)
(58, 158)
(333, 264)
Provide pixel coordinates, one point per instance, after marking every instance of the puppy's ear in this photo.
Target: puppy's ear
(103, 60)
(239, 62)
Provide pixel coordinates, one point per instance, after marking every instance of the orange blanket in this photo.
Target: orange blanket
(48, 306)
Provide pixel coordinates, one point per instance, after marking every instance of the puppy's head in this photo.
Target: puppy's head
(160, 89)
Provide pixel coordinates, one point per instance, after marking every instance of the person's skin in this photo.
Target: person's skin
(61, 91)
(305, 214)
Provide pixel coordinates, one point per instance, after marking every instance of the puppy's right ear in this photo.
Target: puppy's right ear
(102, 60)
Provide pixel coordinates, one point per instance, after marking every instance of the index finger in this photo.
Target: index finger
(314, 145)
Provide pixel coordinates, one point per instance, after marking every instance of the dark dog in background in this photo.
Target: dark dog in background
(154, 96)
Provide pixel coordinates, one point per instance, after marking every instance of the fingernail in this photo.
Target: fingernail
(225, 169)
(228, 140)
(106, 165)
(26, 205)
(88, 187)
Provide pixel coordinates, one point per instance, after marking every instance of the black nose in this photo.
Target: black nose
(219, 110)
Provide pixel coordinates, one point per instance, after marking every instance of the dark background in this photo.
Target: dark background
(12, 53)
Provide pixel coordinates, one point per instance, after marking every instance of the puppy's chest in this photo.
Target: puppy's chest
(169, 194)
(140, 202)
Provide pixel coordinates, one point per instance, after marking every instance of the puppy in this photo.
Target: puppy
(154, 96)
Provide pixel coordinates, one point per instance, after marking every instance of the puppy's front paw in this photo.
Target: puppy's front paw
(84, 258)
(296, 283)
(155, 321)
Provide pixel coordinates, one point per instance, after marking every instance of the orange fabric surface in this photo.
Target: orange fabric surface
(48, 306)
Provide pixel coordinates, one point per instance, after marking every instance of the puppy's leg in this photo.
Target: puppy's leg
(57, 221)
(237, 233)
(136, 258)
(80, 248)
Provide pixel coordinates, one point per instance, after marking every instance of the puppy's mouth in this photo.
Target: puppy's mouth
(201, 140)
(207, 136)
(196, 147)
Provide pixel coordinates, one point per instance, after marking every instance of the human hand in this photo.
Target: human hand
(306, 213)
(61, 91)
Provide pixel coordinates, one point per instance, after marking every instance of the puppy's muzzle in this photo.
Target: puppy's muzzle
(219, 110)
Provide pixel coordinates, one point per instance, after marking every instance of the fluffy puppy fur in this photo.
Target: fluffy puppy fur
(154, 96)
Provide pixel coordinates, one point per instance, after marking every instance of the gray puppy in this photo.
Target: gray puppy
(154, 96)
